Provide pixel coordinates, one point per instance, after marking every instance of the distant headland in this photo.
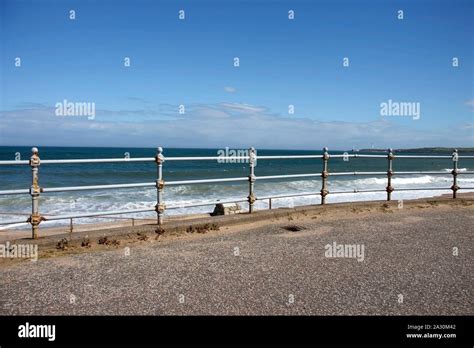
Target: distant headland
(423, 150)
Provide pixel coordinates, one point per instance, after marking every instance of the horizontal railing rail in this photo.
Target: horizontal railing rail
(35, 218)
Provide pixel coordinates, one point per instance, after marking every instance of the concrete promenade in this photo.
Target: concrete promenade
(407, 263)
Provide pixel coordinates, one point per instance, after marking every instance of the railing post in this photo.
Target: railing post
(252, 178)
(35, 218)
(455, 186)
(324, 176)
(160, 184)
(389, 187)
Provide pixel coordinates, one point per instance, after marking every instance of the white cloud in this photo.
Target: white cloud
(470, 104)
(230, 89)
(244, 108)
(216, 125)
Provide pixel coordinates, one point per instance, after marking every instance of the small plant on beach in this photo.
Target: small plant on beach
(214, 227)
(191, 229)
(386, 208)
(103, 240)
(204, 228)
(63, 244)
(114, 242)
(159, 230)
(86, 243)
(142, 236)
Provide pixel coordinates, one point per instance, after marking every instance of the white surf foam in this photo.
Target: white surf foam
(123, 199)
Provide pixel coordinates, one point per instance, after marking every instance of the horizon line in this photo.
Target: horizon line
(471, 148)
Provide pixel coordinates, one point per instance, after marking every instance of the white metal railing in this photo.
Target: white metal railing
(35, 218)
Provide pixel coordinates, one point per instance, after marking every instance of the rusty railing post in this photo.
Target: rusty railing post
(35, 217)
(455, 186)
(71, 228)
(389, 187)
(252, 178)
(160, 184)
(324, 176)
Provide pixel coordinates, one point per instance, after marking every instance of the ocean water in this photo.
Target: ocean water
(19, 177)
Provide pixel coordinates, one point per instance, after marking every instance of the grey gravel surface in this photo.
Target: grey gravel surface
(273, 271)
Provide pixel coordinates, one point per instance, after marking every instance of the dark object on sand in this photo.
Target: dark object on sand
(62, 244)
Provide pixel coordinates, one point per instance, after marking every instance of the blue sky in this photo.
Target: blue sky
(282, 62)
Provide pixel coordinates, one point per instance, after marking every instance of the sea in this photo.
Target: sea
(14, 207)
